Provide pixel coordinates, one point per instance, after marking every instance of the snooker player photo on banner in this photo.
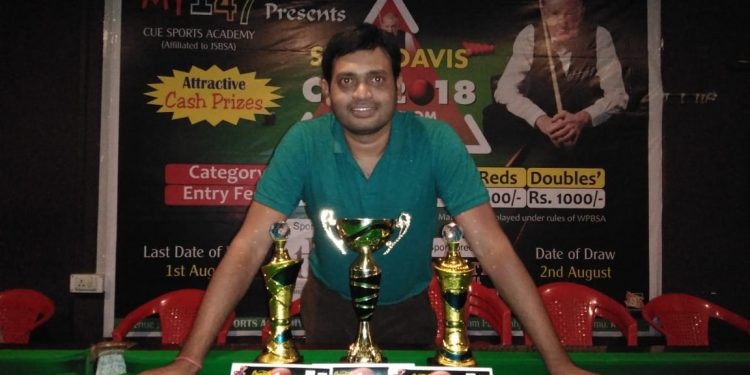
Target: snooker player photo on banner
(552, 107)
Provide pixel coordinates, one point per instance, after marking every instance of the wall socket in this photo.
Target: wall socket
(86, 283)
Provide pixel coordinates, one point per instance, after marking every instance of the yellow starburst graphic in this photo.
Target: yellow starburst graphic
(213, 95)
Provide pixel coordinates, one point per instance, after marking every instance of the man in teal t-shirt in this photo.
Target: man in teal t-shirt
(423, 159)
(368, 160)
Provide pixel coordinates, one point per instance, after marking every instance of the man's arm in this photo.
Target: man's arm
(516, 70)
(228, 285)
(510, 277)
(609, 71)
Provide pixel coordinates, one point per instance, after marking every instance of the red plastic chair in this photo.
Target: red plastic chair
(486, 304)
(176, 311)
(22, 311)
(574, 307)
(482, 302)
(683, 319)
(266, 331)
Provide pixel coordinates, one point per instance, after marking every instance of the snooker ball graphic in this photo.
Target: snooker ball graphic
(421, 92)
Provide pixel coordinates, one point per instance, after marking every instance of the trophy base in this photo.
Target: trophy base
(346, 359)
(364, 355)
(448, 359)
(283, 358)
(363, 350)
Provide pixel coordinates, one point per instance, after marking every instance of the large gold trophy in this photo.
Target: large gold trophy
(280, 275)
(454, 274)
(365, 237)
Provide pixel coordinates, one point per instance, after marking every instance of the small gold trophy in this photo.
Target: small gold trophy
(280, 275)
(454, 274)
(365, 237)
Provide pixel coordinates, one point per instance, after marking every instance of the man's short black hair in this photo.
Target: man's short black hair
(364, 36)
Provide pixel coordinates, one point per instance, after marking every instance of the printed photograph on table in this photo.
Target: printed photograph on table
(445, 370)
(252, 368)
(369, 368)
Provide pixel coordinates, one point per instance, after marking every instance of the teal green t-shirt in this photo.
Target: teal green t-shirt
(425, 159)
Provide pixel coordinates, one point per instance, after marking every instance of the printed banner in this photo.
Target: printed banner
(207, 89)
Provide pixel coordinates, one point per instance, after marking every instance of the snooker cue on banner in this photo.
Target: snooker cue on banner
(558, 100)
(553, 76)
(548, 44)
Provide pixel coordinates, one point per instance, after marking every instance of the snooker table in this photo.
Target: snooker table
(218, 361)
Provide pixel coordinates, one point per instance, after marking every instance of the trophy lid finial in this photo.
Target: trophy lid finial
(452, 233)
(279, 230)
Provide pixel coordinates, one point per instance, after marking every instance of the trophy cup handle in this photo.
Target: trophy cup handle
(328, 221)
(404, 220)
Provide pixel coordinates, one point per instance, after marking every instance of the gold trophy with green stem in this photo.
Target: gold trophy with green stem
(280, 275)
(365, 237)
(454, 274)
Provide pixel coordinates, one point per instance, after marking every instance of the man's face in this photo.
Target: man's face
(362, 91)
(389, 24)
(563, 17)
